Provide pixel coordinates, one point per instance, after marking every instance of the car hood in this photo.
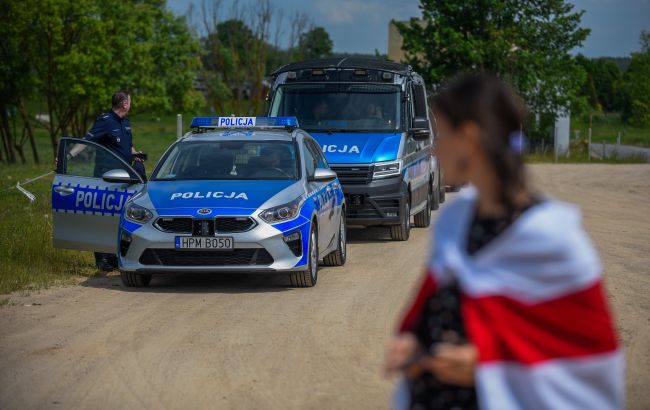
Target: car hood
(220, 197)
(358, 147)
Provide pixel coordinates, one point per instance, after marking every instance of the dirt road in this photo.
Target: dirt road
(254, 343)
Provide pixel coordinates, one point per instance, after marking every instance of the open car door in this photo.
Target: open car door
(89, 191)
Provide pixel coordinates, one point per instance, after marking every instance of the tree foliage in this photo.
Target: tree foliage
(636, 85)
(78, 52)
(315, 43)
(525, 42)
(602, 85)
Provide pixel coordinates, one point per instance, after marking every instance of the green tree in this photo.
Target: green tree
(16, 81)
(636, 85)
(525, 42)
(602, 84)
(315, 43)
(80, 51)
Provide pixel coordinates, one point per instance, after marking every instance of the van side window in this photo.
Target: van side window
(419, 101)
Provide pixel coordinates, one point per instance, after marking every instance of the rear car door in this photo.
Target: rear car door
(85, 208)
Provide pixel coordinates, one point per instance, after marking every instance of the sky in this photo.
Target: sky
(362, 25)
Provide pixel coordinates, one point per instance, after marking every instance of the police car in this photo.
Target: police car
(242, 194)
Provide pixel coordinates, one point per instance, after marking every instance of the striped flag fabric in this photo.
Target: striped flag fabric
(534, 306)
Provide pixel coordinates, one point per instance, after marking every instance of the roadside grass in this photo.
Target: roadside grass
(605, 128)
(28, 261)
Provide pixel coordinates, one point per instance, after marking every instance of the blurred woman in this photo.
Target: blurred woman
(512, 303)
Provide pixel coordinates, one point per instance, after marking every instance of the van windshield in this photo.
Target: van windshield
(340, 106)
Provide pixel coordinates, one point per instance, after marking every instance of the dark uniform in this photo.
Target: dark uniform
(114, 133)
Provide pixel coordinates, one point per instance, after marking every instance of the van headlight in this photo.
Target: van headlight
(283, 212)
(137, 213)
(387, 169)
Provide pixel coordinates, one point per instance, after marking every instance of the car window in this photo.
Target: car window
(310, 160)
(321, 162)
(85, 159)
(232, 160)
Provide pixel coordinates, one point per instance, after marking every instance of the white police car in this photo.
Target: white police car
(246, 194)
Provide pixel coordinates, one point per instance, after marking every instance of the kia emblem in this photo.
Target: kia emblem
(205, 211)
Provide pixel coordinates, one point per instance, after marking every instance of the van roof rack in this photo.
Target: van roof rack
(342, 63)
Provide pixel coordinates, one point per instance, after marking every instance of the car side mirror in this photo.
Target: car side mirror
(119, 176)
(420, 129)
(323, 175)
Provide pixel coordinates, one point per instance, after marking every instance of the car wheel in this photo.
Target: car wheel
(423, 218)
(402, 231)
(135, 280)
(308, 277)
(337, 257)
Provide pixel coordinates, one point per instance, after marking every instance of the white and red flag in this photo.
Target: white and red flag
(534, 306)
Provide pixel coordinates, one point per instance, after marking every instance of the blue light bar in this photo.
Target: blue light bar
(244, 122)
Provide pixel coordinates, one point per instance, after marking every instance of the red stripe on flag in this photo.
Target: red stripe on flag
(575, 325)
(427, 288)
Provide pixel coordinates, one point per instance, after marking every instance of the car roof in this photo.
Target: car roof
(241, 135)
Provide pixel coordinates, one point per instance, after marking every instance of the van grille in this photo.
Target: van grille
(353, 174)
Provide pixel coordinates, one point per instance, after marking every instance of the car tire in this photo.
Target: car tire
(402, 231)
(337, 257)
(308, 277)
(423, 218)
(135, 280)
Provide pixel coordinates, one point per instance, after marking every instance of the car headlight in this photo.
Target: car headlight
(283, 212)
(387, 169)
(137, 213)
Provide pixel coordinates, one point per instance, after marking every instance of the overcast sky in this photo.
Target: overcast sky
(362, 25)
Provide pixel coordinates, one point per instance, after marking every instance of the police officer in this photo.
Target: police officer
(112, 129)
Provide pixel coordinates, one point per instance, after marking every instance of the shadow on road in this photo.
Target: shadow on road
(361, 235)
(197, 283)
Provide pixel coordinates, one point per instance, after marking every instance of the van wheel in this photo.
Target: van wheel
(337, 258)
(135, 280)
(402, 231)
(308, 277)
(423, 218)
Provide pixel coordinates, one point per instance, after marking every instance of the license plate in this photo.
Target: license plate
(203, 242)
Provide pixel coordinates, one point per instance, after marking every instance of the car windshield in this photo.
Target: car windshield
(340, 106)
(232, 160)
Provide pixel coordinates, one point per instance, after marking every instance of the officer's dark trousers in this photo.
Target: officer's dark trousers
(103, 260)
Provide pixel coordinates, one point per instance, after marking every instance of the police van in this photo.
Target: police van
(371, 119)
(237, 194)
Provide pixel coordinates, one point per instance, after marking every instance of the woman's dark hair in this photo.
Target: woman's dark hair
(496, 109)
(118, 99)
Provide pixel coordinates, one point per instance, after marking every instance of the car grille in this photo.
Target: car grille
(353, 174)
(176, 225)
(371, 208)
(233, 224)
(204, 226)
(236, 257)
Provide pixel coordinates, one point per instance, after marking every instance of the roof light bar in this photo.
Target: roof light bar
(244, 122)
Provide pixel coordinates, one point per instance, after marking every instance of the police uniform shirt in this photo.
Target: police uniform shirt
(114, 133)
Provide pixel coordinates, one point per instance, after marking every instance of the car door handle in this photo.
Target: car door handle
(64, 190)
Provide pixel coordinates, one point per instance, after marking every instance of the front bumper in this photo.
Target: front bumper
(376, 203)
(260, 250)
